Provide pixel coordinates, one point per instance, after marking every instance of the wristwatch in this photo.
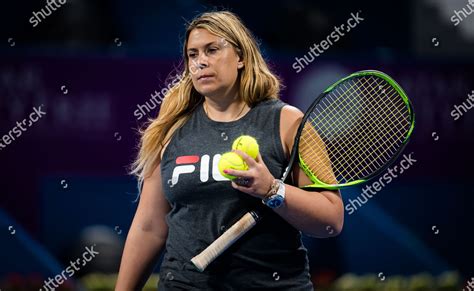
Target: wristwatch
(277, 199)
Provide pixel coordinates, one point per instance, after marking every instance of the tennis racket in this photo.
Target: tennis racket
(352, 132)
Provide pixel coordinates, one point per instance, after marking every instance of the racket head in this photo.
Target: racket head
(353, 131)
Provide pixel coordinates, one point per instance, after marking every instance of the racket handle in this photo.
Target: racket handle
(230, 236)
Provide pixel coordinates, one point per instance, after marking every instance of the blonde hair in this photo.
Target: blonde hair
(256, 83)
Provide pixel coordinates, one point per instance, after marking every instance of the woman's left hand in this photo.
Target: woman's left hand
(256, 181)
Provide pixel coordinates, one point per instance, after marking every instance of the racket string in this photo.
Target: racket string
(377, 151)
(372, 153)
(374, 141)
(320, 145)
(337, 106)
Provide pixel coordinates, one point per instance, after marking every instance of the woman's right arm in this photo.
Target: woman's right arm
(146, 237)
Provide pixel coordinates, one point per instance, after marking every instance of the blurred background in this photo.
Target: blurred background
(90, 65)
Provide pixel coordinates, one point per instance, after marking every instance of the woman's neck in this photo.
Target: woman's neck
(225, 110)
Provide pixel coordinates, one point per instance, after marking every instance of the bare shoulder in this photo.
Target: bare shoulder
(289, 122)
(291, 113)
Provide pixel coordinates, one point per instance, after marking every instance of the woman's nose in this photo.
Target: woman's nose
(202, 61)
(198, 64)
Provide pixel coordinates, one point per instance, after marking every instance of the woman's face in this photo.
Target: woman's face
(213, 63)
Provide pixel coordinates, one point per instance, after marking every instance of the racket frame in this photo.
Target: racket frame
(294, 152)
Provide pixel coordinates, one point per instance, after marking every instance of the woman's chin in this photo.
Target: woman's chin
(207, 91)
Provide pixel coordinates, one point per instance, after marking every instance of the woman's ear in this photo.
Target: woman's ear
(240, 62)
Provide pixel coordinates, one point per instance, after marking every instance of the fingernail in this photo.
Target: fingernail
(226, 172)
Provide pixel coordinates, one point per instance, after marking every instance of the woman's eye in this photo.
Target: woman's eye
(212, 50)
(191, 56)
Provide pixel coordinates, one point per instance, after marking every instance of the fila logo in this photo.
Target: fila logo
(186, 165)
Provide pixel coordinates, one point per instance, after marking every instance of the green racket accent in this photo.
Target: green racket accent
(354, 130)
(320, 184)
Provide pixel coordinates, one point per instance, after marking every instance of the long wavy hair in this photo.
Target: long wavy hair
(256, 83)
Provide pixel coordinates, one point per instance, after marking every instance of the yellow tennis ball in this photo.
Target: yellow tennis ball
(231, 160)
(247, 144)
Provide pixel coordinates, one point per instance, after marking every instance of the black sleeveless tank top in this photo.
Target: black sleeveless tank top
(204, 204)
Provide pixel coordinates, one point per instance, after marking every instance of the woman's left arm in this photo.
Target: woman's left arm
(316, 214)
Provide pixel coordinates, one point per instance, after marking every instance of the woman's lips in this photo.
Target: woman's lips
(205, 78)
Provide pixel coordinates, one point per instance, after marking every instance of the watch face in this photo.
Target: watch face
(275, 201)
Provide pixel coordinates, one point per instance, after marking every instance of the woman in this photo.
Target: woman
(226, 90)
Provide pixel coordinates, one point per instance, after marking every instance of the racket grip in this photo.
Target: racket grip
(230, 236)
